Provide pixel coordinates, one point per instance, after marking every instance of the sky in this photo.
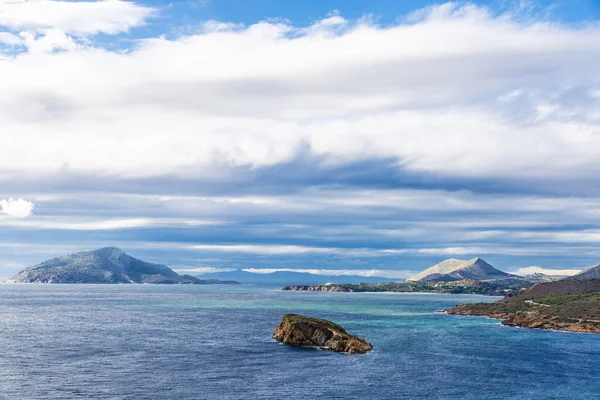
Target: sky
(340, 137)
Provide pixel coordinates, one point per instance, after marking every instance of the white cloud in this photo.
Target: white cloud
(17, 208)
(95, 224)
(10, 39)
(547, 271)
(73, 17)
(400, 274)
(200, 270)
(51, 40)
(274, 249)
(425, 93)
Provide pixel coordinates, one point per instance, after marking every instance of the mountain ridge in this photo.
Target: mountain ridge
(454, 270)
(108, 265)
(591, 272)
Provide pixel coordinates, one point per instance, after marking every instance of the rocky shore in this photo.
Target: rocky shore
(530, 318)
(299, 330)
(565, 306)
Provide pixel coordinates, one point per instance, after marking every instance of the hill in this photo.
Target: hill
(592, 272)
(565, 287)
(288, 278)
(456, 270)
(572, 305)
(105, 265)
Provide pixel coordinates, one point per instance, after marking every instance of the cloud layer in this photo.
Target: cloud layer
(42, 26)
(72, 17)
(344, 145)
(455, 91)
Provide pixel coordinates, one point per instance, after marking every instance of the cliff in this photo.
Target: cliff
(298, 330)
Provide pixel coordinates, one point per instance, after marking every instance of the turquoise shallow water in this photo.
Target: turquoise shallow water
(214, 342)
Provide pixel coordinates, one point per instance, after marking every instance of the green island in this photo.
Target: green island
(565, 306)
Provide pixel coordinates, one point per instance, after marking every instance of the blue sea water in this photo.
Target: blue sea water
(214, 342)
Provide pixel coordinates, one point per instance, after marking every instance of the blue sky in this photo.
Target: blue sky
(373, 138)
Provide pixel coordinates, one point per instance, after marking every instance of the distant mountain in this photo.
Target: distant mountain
(290, 278)
(455, 270)
(592, 272)
(105, 265)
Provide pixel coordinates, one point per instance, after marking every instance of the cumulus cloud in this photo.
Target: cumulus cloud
(18, 208)
(49, 25)
(547, 271)
(456, 92)
(73, 17)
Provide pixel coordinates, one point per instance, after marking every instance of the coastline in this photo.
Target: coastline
(531, 319)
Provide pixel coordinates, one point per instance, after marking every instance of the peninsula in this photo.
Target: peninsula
(570, 305)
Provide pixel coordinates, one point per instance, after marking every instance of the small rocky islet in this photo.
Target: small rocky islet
(299, 330)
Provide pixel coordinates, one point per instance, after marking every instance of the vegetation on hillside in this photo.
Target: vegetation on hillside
(578, 312)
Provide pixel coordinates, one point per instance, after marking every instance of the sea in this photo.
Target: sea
(214, 342)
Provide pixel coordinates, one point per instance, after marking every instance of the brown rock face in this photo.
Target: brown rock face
(298, 330)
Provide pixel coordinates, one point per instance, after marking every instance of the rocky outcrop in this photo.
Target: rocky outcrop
(298, 330)
(105, 265)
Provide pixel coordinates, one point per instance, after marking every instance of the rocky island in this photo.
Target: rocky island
(105, 265)
(571, 305)
(298, 330)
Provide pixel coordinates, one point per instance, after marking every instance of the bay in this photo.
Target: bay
(214, 342)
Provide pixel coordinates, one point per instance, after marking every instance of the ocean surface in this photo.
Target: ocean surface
(214, 342)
